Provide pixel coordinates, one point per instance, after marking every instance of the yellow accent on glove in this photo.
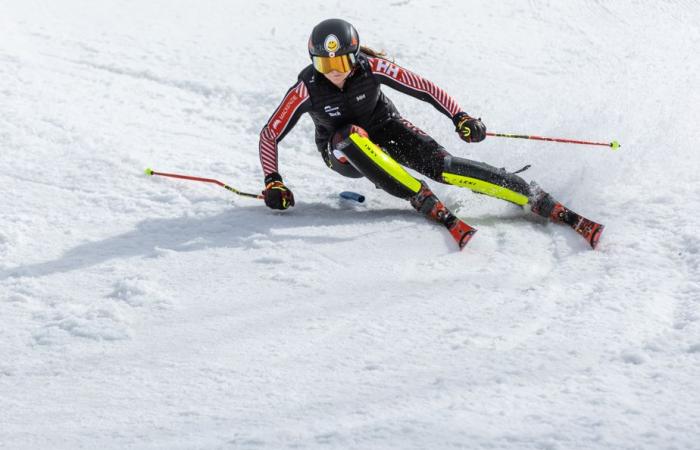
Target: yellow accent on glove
(462, 129)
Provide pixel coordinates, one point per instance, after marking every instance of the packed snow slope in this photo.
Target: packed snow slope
(146, 312)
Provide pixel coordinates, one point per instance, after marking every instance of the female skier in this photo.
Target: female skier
(359, 132)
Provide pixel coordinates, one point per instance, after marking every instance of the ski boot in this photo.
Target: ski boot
(426, 203)
(544, 205)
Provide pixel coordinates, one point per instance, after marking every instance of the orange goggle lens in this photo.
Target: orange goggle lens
(327, 64)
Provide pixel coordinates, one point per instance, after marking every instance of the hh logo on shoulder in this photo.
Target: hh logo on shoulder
(388, 68)
(333, 111)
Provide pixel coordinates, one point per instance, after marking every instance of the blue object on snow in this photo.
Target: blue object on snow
(352, 196)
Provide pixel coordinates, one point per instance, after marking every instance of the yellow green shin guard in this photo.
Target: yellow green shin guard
(380, 168)
(484, 187)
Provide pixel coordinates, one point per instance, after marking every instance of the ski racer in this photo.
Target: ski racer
(360, 133)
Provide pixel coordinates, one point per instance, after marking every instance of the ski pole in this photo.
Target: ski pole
(151, 172)
(614, 144)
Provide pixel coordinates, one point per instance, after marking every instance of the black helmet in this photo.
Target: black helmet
(334, 37)
(331, 39)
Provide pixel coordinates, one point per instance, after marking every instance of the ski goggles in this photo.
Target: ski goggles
(328, 64)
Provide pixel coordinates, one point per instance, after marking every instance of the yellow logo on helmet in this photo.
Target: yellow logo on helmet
(331, 44)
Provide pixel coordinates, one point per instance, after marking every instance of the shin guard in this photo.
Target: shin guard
(380, 168)
(486, 179)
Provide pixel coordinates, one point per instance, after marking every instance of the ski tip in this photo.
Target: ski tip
(148, 171)
(615, 145)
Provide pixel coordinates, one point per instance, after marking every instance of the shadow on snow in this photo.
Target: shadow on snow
(237, 227)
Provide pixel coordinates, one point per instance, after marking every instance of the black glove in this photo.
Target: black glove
(469, 128)
(277, 195)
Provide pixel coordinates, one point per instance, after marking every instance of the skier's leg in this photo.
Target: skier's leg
(352, 144)
(486, 179)
(508, 186)
(370, 160)
(499, 183)
(414, 148)
(410, 146)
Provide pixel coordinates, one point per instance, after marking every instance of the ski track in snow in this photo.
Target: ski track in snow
(142, 312)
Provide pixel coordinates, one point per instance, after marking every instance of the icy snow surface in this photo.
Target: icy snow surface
(142, 312)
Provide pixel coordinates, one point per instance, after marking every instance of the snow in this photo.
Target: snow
(143, 312)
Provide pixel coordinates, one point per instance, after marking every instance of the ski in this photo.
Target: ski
(544, 205)
(461, 231)
(591, 231)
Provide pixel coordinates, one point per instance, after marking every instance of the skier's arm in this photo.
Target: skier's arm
(403, 80)
(295, 103)
(409, 83)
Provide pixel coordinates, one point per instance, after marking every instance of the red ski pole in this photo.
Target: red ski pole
(614, 144)
(205, 180)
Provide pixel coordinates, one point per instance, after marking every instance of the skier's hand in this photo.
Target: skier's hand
(277, 195)
(469, 128)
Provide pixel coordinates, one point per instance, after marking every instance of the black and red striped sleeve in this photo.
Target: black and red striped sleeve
(409, 83)
(295, 103)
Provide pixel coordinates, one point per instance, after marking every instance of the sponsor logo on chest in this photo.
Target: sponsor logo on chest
(333, 111)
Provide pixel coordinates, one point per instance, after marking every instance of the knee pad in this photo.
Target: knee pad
(335, 158)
